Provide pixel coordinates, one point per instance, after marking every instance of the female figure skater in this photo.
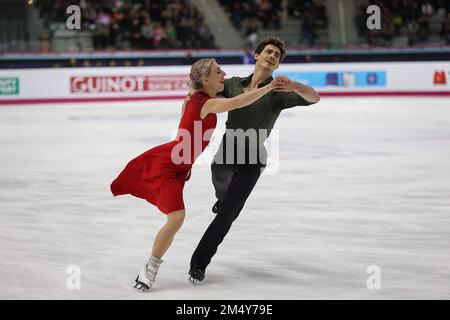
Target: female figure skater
(159, 174)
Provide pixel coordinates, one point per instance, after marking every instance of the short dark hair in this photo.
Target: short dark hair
(277, 42)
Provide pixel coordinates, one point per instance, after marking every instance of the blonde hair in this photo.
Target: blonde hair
(200, 70)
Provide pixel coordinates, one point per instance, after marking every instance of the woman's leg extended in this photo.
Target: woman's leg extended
(162, 242)
(166, 234)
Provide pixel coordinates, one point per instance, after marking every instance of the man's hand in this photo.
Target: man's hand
(284, 84)
(287, 85)
(278, 84)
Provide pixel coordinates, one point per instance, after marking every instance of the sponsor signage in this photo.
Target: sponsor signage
(9, 86)
(440, 78)
(170, 82)
(128, 83)
(372, 78)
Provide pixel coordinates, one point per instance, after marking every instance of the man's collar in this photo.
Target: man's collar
(246, 81)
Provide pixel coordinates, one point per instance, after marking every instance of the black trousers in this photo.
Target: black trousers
(233, 184)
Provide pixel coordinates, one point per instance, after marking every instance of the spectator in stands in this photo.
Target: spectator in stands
(122, 24)
(398, 23)
(264, 14)
(269, 13)
(72, 63)
(413, 28)
(320, 13)
(427, 9)
(101, 36)
(206, 38)
(88, 14)
(171, 33)
(445, 29)
(244, 12)
(183, 31)
(442, 7)
(135, 34)
(236, 16)
(416, 19)
(308, 30)
(360, 21)
(189, 59)
(251, 32)
(113, 22)
(147, 34)
(313, 16)
(159, 36)
(248, 57)
(424, 28)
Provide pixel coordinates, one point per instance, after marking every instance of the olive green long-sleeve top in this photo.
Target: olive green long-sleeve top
(263, 113)
(247, 128)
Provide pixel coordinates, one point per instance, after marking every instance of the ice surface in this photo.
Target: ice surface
(361, 182)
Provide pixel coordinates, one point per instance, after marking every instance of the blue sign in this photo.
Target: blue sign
(339, 78)
(332, 79)
(372, 78)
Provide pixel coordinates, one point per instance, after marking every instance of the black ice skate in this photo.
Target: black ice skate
(196, 274)
(215, 208)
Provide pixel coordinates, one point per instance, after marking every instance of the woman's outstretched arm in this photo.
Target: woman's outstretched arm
(242, 100)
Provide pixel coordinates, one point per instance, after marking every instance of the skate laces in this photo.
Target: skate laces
(151, 272)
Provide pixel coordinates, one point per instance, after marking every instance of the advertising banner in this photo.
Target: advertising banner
(170, 82)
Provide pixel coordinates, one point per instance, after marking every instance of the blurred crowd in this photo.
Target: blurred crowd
(313, 15)
(248, 15)
(179, 24)
(421, 21)
(137, 24)
(266, 12)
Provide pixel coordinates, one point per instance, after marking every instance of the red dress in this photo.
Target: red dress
(158, 175)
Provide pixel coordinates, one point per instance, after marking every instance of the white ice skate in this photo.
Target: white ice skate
(146, 277)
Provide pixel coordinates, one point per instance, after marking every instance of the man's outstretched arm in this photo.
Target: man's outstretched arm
(306, 92)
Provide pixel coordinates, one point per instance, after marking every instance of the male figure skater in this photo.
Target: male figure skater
(235, 173)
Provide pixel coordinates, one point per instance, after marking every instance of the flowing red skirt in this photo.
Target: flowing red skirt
(154, 177)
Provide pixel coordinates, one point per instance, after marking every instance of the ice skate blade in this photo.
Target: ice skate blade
(193, 281)
(141, 287)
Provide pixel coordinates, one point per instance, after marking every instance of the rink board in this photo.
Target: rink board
(170, 82)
